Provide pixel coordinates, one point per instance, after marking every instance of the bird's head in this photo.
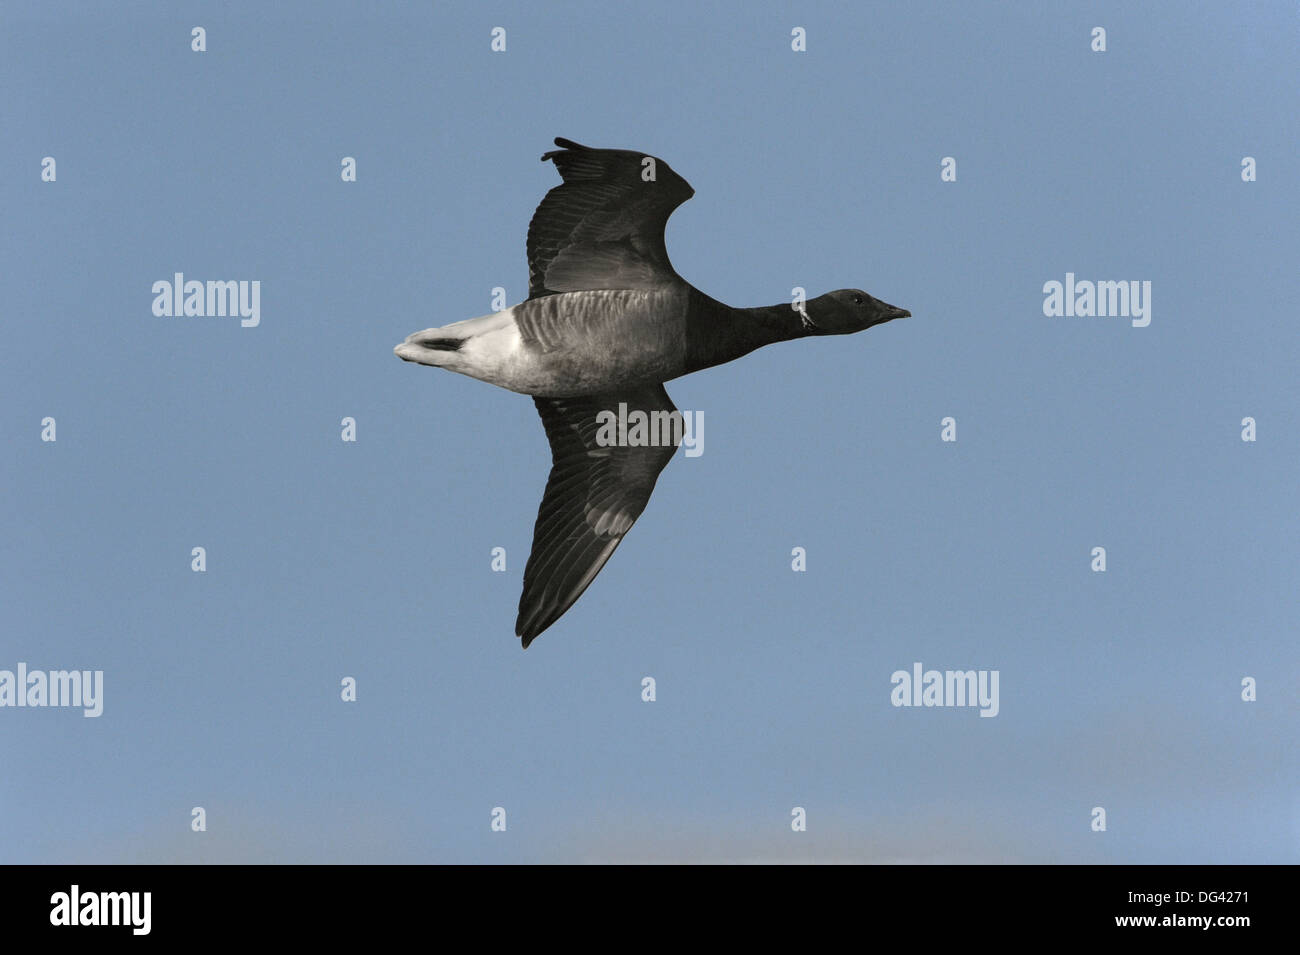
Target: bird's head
(847, 310)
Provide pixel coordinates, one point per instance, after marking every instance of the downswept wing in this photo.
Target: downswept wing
(593, 497)
(603, 227)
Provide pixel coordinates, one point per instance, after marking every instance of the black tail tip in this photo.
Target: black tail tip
(443, 344)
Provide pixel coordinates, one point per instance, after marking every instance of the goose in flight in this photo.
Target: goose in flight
(607, 321)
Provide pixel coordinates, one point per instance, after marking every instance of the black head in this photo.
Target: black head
(847, 310)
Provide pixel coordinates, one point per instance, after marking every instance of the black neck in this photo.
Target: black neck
(718, 333)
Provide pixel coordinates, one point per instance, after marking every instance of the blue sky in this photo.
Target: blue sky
(371, 559)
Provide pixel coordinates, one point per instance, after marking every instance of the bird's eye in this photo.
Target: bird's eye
(857, 300)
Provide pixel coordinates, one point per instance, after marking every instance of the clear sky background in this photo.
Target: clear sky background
(372, 560)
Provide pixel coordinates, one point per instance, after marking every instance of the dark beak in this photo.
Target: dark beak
(890, 313)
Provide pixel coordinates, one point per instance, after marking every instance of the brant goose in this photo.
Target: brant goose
(607, 321)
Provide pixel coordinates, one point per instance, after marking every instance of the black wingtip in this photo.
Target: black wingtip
(526, 624)
(563, 144)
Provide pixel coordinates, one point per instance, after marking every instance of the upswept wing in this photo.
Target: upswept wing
(603, 227)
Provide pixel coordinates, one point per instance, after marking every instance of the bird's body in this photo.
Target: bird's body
(607, 322)
(572, 343)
